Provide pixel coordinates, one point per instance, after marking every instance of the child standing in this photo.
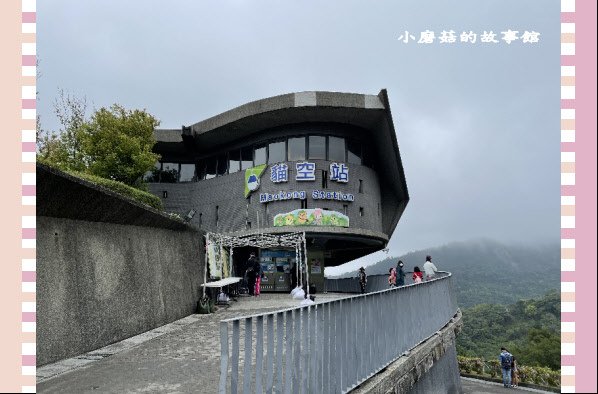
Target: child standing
(418, 276)
(392, 277)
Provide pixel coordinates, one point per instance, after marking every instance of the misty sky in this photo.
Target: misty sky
(477, 124)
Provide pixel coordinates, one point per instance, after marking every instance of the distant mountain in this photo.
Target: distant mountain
(486, 271)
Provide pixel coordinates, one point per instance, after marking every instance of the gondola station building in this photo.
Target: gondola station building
(322, 163)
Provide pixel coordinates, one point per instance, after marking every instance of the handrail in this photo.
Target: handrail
(335, 345)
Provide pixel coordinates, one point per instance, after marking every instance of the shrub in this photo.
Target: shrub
(527, 374)
(122, 189)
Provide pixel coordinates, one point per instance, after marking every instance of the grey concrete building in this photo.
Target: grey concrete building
(321, 162)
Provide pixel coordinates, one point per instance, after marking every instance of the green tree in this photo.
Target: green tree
(117, 144)
(63, 148)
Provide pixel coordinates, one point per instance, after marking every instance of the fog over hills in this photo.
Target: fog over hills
(487, 271)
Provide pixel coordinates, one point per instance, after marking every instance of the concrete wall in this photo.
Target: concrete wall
(108, 267)
(429, 368)
(98, 283)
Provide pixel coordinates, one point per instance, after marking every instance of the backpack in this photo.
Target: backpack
(505, 360)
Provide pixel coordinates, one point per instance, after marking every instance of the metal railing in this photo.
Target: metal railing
(331, 347)
(351, 285)
(375, 283)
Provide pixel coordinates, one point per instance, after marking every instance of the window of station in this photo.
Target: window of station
(246, 158)
(317, 147)
(153, 175)
(260, 155)
(200, 169)
(353, 152)
(187, 173)
(293, 149)
(336, 149)
(297, 149)
(210, 168)
(222, 165)
(234, 162)
(277, 152)
(169, 173)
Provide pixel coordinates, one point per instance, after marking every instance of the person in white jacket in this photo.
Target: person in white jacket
(429, 268)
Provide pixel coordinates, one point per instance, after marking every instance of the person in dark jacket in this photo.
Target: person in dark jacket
(251, 273)
(400, 274)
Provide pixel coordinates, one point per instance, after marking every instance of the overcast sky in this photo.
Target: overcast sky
(477, 124)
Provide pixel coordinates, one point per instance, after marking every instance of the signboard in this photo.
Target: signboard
(311, 217)
(252, 178)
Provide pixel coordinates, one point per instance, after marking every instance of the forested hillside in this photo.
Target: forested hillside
(529, 329)
(486, 271)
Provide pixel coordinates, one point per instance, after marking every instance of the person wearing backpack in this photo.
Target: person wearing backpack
(505, 360)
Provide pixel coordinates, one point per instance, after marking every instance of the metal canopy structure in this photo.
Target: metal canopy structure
(294, 240)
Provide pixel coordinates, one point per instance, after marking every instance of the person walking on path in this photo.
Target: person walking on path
(392, 277)
(363, 279)
(429, 268)
(400, 274)
(417, 275)
(514, 372)
(505, 360)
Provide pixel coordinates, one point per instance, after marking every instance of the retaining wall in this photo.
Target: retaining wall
(101, 281)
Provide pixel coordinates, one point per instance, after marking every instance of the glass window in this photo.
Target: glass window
(222, 164)
(260, 155)
(246, 158)
(296, 149)
(154, 174)
(277, 152)
(234, 164)
(210, 167)
(200, 170)
(170, 173)
(317, 147)
(187, 173)
(336, 149)
(353, 152)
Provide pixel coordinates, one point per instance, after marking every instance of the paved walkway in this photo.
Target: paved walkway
(181, 357)
(475, 386)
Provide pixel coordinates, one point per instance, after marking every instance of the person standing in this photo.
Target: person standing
(514, 372)
(429, 268)
(257, 268)
(363, 279)
(505, 360)
(251, 274)
(418, 276)
(392, 277)
(400, 274)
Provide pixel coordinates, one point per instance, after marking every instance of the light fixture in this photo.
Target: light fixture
(190, 215)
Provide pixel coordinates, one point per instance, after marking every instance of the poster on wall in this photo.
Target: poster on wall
(311, 217)
(316, 266)
(214, 260)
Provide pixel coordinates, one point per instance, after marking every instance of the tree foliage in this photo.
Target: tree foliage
(530, 329)
(115, 143)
